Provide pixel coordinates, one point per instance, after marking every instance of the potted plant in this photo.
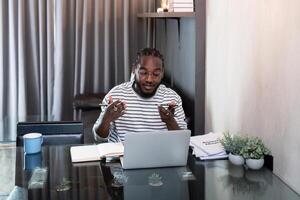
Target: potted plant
(233, 144)
(254, 152)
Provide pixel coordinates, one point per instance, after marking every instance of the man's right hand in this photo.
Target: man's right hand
(115, 109)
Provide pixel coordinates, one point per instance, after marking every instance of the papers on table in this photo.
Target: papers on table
(208, 146)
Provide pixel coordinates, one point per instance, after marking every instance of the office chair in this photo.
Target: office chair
(54, 133)
(87, 110)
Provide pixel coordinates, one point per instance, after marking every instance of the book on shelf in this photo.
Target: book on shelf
(181, 1)
(208, 146)
(96, 152)
(183, 10)
(181, 6)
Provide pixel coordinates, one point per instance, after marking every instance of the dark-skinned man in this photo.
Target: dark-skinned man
(142, 104)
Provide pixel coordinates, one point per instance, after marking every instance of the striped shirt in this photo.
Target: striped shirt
(141, 114)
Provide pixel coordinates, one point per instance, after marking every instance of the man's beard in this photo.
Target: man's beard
(137, 88)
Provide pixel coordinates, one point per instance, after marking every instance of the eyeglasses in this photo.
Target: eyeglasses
(144, 73)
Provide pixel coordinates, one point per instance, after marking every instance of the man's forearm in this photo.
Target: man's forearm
(172, 125)
(103, 128)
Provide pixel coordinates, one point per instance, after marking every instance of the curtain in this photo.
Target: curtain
(26, 57)
(52, 50)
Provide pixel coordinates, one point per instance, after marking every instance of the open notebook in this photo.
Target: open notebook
(96, 152)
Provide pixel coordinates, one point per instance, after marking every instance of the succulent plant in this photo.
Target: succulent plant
(255, 149)
(233, 143)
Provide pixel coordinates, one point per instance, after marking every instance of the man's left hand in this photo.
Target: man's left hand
(167, 114)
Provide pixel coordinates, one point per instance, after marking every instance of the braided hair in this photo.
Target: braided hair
(148, 52)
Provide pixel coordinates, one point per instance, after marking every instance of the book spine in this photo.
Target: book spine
(181, 1)
(183, 9)
(182, 5)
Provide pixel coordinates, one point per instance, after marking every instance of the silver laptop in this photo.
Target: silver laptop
(156, 149)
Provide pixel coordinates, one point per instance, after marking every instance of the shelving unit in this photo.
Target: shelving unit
(166, 14)
(195, 107)
(153, 16)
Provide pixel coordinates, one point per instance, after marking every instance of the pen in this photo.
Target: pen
(103, 104)
(163, 104)
(166, 104)
(106, 104)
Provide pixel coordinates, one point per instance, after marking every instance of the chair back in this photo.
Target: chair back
(54, 133)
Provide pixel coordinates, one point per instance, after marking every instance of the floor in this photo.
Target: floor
(7, 172)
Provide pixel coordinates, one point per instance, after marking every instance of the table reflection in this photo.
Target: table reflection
(32, 161)
(159, 183)
(155, 183)
(237, 182)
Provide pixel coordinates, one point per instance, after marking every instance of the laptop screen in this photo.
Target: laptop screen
(156, 149)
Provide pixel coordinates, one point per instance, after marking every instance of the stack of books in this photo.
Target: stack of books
(208, 146)
(181, 5)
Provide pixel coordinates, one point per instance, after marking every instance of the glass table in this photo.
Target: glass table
(51, 175)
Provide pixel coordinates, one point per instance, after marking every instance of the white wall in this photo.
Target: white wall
(253, 76)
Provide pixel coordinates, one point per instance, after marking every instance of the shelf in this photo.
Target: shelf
(166, 14)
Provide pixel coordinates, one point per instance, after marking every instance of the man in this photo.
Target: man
(142, 104)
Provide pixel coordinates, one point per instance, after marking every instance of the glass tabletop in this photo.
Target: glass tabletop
(155, 183)
(226, 181)
(51, 175)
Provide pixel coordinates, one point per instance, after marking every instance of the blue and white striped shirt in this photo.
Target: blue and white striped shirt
(141, 114)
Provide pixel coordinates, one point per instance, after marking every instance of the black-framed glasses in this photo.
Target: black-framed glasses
(144, 73)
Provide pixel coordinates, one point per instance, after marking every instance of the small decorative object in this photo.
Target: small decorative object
(155, 180)
(160, 10)
(164, 4)
(233, 144)
(254, 152)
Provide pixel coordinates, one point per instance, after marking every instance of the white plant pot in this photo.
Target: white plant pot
(236, 159)
(255, 163)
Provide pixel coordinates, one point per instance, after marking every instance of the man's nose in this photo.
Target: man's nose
(150, 78)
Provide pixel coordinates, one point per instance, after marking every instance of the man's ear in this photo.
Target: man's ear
(132, 75)
(133, 68)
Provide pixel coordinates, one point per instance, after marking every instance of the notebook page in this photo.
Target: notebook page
(84, 153)
(110, 149)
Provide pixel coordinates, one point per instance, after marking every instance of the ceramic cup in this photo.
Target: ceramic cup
(32, 161)
(32, 143)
